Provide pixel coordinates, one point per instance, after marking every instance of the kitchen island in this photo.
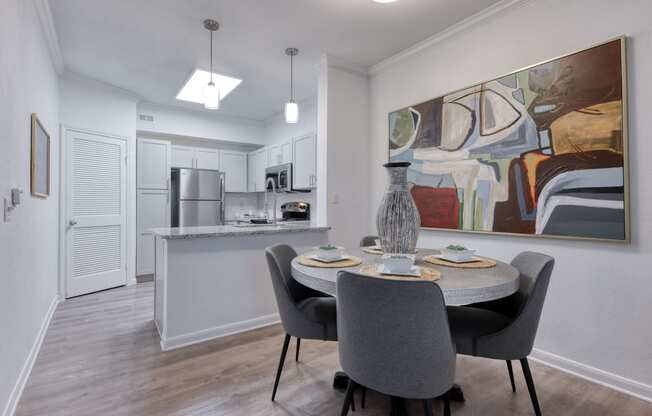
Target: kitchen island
(214, 281)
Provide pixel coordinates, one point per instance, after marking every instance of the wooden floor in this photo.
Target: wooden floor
(101, 356)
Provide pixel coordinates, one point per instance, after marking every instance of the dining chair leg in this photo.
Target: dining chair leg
(530, 386)
(364, 397)
(348, 398)
(286, 344)
(511, 375)
(296, 358)
(427, 407)
(447, 407)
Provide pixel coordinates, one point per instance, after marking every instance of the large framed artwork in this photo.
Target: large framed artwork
(40, 159)
(541, 151)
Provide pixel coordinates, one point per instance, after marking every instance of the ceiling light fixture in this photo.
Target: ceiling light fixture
(291, 107)
(385, 1)
(211, 92)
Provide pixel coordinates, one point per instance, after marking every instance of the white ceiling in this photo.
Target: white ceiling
(150, 47)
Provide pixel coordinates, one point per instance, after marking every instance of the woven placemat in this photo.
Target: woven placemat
(427, 273)
(481, 263)
(350, 261)
(373, 250)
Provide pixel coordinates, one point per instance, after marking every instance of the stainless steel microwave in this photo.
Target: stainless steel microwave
(282, 177)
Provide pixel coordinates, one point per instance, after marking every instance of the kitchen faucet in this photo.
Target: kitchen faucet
(267, 182)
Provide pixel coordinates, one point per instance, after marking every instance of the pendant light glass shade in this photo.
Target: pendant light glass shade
(291, 107)
(291, 112)
(211, 96)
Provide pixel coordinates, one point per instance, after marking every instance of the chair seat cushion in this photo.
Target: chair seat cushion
(467, 324)
(319, 309)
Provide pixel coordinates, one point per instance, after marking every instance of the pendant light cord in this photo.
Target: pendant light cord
(211, 57)
(292, 77)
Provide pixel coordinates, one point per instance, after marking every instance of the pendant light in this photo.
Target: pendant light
(211, 92)
(291, 107)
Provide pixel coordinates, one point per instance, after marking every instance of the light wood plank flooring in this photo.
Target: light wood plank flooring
(101, 356)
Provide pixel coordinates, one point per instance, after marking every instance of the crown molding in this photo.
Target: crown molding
(470, 21)
(50, 34)
(342, 65)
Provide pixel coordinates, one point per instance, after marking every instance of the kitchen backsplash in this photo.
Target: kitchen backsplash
(237, 204)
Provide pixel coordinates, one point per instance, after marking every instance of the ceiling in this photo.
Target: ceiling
(151, 47)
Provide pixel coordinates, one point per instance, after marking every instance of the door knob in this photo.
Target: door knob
(72, 223)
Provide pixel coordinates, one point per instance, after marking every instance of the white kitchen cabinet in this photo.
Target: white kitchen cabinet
(195, 157)
(305, 162)
(257, 164)
(207, 158)
(153, 207)
(286, 152)
(234, 166)
(153, 163)
(183, 157)
(274, 155)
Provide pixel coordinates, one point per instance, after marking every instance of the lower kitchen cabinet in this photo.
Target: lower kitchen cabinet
(153, 208)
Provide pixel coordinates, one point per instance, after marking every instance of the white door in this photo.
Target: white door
(153, 164)
(234, 166)
(304, 163)
(153, 211)
(183, 157)
(96, 175)
(207, 159)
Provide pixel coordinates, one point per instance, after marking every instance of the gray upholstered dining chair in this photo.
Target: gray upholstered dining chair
(394, 338)
(368, 241)
(505, 329)
(305, 312)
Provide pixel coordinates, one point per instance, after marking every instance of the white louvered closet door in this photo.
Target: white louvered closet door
(96, 208)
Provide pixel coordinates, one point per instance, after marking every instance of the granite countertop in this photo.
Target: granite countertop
(233, 230)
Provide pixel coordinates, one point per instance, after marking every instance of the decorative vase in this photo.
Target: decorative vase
(398, 219)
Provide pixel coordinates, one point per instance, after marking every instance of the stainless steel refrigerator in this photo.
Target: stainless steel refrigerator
(197, 197)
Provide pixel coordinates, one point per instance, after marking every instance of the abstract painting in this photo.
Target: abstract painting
(541, 151)
(40, 159)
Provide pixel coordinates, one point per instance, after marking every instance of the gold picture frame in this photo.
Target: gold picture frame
(40, 159)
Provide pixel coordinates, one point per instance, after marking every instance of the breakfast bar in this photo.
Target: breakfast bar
(213, 281)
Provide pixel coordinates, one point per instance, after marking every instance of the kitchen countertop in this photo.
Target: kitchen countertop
(232, 230)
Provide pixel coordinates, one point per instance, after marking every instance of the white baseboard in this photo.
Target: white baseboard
(14, 397)
(218, 332)
(604, 378)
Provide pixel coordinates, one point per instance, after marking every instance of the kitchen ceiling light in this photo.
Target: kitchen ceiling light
(385, 1)
(211, 91)
(291, 107)
(195, 89)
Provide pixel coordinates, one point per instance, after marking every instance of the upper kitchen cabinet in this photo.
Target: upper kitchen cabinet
(234, 166)
(207, 159)
(152, 164)
(280, 154)
(183, 157)
(305, 162)
(256, 170)
(195, 157)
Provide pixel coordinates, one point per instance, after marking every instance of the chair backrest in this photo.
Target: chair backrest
(288, 291)
(368, 241)
(517, 339)
(394, 336)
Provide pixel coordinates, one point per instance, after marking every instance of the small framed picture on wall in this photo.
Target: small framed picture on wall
(40, 160)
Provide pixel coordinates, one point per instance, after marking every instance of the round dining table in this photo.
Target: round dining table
(460, 286)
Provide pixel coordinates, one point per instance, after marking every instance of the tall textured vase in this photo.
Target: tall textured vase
(398, 221)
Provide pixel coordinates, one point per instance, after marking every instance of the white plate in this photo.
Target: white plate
(415, 271)
(472, 259)
(323, 260)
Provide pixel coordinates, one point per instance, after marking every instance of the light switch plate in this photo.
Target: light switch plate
(7, 209)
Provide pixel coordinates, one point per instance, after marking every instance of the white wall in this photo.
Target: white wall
(342, 153)
(598, 308)
(198, 124)
(277, 130)
(98, 107)
(28, 244)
